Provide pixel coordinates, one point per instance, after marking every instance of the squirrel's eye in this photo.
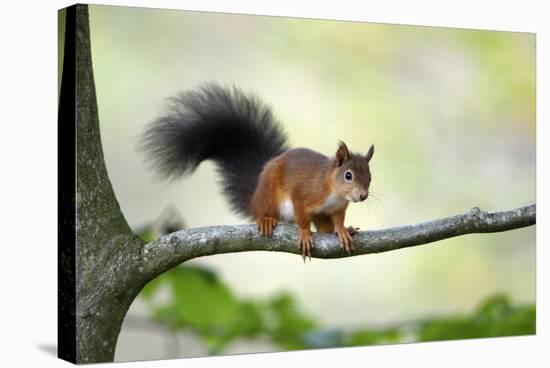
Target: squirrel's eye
(348, 175)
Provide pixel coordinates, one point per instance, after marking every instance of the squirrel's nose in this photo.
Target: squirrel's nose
(363, 196)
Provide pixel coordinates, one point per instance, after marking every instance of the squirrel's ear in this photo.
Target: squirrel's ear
(342, 154)
(369, 154)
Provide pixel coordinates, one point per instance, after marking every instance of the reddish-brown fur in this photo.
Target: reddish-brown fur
(308, 179)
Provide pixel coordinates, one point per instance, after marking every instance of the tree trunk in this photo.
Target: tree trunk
(105, 283)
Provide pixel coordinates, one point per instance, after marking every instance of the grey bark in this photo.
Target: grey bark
(113, 264)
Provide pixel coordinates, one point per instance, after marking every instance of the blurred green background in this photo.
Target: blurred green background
(452, 115)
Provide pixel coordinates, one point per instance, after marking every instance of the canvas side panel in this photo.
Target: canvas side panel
(66, 176)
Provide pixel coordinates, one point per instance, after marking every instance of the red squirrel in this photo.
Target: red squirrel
(262, 178)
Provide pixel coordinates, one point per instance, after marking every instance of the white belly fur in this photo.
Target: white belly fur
(286, 210)
(333, 203)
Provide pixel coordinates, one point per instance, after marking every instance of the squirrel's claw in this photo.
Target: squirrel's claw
(265, 225)
(345, 239)
(305, 248)
(305, 243)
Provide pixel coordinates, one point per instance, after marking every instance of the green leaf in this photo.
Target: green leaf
(494, 317)
(147, 235)
(288, 324)
(152, 287)
(373, 336)
(201, 299)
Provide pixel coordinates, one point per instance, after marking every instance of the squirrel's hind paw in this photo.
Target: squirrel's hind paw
(305, 243)
(352, 230)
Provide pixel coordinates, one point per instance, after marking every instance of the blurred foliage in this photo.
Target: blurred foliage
(200, 302)
(495, 316)
(367, 336)
(204, 304)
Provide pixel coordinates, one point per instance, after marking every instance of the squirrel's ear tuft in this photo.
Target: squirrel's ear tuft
(369, 154)
(342, 154)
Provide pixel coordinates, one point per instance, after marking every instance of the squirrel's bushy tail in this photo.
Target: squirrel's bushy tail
(233, 129)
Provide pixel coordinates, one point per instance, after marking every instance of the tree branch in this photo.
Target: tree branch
(183, 245)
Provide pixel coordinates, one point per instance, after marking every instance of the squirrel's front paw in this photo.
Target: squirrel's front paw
(305, 243)
(344, 236)
(266, 225)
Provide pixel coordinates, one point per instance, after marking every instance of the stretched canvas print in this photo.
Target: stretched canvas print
(236, 184)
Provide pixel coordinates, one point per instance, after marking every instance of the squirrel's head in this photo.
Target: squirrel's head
(351, 173)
